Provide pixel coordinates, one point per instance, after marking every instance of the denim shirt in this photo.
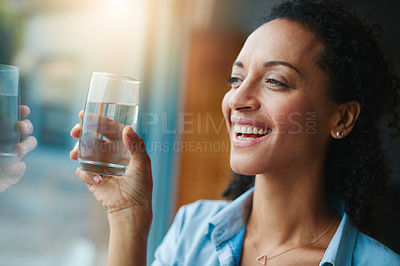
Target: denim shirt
(211, 233)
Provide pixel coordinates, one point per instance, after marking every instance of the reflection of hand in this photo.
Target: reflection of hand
(132, 190)
(11, 174)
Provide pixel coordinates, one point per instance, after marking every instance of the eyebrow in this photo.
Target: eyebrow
(238, 63)
(275, 63)
(270, 63)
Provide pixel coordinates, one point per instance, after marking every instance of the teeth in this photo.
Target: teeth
(250, 130)
(243, 138)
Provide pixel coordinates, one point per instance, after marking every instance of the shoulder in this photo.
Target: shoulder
(369, 251)
(207, 206)
(200, 210)
(187, 236)
(191, 220)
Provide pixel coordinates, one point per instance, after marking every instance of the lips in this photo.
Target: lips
(249, 132)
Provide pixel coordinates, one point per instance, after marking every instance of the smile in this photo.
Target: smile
(244, 132)
(246, 135)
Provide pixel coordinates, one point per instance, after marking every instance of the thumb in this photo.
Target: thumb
(135, 144)
(11, 175)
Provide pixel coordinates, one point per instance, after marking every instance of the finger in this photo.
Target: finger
(14, 171)
(81, 114)
(24, 111)
(26, 146)
(24, 127)
(88, 178)
(74, 153)
(112, 152)
(103, 125)
(76, 131)
(135, 144)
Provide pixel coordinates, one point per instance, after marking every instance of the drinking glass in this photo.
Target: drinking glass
(9, 113)
(112, 103)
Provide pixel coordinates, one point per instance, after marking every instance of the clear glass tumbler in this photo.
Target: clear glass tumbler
(112, 103)
(9, 113)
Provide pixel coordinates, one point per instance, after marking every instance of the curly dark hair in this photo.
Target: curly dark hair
(357, 169)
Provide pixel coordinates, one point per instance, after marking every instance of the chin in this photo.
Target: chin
(244, 166)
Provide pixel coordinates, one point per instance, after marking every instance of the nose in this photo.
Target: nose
(245, 97)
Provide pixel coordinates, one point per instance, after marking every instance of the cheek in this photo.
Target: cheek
(290, 117)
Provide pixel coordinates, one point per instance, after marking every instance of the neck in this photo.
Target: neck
(289, 208)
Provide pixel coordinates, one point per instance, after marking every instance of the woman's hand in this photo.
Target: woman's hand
(11, 174)
(121, 193)
(127, 198)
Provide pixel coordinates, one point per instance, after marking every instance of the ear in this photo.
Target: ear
(345, 120)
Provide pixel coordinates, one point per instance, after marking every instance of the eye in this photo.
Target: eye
(276, 83)
(234, 82)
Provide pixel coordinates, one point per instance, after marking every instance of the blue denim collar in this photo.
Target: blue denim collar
(340, 250)
(233, 217)
(228, 222)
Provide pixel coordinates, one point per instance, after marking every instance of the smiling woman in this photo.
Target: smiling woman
(315, 191)
(272, 85)
(356, 168)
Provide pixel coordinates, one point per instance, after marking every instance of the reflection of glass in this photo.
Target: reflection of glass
(111, 104)
(9, 113)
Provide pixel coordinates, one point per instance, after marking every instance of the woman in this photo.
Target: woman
(315, 187)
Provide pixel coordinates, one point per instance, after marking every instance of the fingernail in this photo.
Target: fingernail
(96, 179)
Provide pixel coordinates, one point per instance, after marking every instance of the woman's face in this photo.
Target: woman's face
(277, 111)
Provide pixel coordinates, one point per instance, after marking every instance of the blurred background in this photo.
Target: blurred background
(182, 51)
